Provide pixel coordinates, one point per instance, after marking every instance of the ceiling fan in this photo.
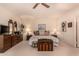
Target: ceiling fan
(44, 4)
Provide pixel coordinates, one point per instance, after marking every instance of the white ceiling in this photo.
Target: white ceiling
(25, 9)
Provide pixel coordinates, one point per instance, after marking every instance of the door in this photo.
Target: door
(77, 32)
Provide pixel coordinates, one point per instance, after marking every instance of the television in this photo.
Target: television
(4, 29)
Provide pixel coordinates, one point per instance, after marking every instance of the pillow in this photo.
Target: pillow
(36, 32)
(41, 32)
(46, 32)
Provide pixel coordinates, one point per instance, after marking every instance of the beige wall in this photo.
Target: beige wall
(70, 35)
(5, 15)
(33, 22)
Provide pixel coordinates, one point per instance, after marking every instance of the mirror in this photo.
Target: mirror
(10, 24)
(15, 26)
(22, 27)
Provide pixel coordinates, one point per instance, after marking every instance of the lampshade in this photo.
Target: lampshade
(28, 30)
(54, 31)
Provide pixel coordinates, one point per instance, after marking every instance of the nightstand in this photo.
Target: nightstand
(28, 37)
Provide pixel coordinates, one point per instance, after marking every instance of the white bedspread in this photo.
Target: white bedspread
(35, 38)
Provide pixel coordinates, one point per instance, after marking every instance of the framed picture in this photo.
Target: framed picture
(69, 24)
(41, 26)
(64, 26)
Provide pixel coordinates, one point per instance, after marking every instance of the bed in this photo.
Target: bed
(36, 38)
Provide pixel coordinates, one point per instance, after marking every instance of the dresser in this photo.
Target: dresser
(16, 39)
(8, 41)
(5, 42)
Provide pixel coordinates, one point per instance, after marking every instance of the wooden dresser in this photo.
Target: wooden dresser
(8, 41)
(16, 39)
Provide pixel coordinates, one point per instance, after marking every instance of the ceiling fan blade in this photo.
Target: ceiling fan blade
(47, 6)
(35, 5)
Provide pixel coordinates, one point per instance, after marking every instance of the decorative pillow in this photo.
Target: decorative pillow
(36, 32)
(46, 33)
(41, 32)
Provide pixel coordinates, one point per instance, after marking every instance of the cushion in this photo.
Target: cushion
(36, 32)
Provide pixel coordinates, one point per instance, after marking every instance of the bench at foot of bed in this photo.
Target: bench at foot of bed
(45, 45)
